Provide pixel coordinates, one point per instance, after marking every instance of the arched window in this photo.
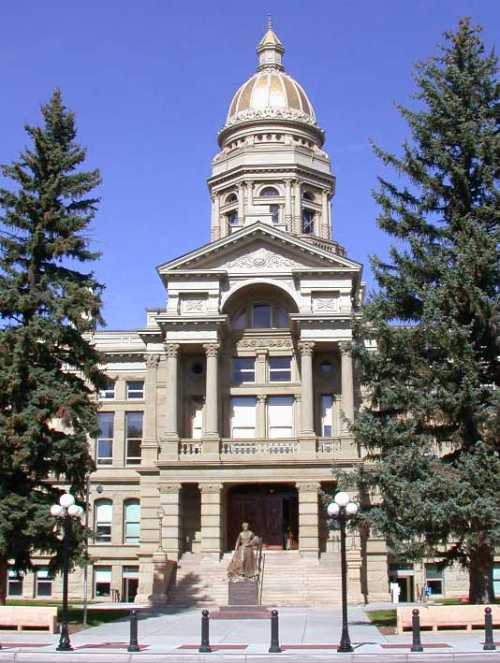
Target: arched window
(308, 195)
(131, 521)
(232, 198)
(261, 315)
(103, 516)
(269, 192)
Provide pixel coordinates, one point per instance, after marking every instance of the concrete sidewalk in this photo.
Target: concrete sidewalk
(306, 634)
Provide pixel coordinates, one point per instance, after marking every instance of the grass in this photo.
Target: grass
(95, 616)
(386, 618)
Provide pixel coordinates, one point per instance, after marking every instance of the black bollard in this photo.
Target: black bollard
(489, 643)
(205, 633)
(415, 624)
(134, 644)
(275, 637)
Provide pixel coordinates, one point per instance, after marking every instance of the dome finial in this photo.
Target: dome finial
(270, 49)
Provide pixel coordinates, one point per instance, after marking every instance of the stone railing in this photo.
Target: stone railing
(259, 447)
(320, 448)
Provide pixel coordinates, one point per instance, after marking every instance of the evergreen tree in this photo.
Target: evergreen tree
(48, 366)
(430, 426)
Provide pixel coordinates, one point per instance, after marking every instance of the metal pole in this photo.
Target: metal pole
(345, 641)
(86, 567)
(275, 638)
(133, 643)
(489, 643)
(415, 628)
(205, 635)
(64, 641)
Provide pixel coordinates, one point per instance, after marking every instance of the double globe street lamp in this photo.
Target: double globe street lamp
(65, 511)
(341, 509)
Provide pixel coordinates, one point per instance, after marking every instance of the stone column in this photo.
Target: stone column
(325, 230)
(150, 441)
(241, 207)
(211, 519)
(170, 501)
(288, 205)
(308, 518)
(215, 217)
(261, 416)
(297, 212)
(169, 446)
(212, 391)
(307, 419)
(347, 386)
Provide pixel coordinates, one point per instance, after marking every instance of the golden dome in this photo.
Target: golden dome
(270, 93)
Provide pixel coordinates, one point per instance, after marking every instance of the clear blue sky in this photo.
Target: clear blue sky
(151, 81)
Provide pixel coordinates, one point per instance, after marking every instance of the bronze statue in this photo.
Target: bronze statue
(243, 564)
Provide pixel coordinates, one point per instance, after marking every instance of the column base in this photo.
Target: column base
(169, 447)
(211, 446)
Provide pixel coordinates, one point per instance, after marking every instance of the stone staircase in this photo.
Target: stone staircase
(288, 580)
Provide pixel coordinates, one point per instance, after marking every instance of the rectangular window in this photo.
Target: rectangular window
(135, 390)
(134, 437)
(132, 529)
(280, 369)
(108, 392)
(243, 370)
(43, 582)
(104, 447)
(243, 416)
(275, 213)
(307, 221)
(102, 581)
(326, 404)
(261, 316)
(14, 583)
(496, 579)
(280, 416)
(434, 579)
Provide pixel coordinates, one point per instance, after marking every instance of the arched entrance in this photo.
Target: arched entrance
(270, 509)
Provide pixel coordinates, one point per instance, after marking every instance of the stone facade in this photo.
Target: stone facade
(234, 400)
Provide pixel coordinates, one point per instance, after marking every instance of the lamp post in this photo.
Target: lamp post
(161, 515)
(341, 509)
(65, 511)
(99, 490)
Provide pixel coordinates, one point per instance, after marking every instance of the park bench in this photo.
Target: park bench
(28, 617)
(447, 617)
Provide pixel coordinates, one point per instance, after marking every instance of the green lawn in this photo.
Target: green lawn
(382, 617)
(95, 616)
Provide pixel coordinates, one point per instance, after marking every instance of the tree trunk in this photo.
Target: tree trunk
(481, 561)
(4, 567)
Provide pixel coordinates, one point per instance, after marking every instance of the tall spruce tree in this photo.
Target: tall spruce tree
(430, 426)
(48, 367)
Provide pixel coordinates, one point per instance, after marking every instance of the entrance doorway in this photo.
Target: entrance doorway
(130, 583)
(271, 511)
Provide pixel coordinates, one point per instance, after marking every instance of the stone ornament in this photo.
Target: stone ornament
(172, 349)
(264, 343)
(306, 347)
(169, 488)
(211, 349)
(152, 361)
(263, 259)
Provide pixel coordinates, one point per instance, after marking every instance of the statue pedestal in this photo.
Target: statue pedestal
(243, 592)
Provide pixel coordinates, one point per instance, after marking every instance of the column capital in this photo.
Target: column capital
(308, 486)
(261, 398)
(152, 360)
(345, 347)
(211, 349)
(210, 487)
(306, 347)
(172, 349)
(169, 487)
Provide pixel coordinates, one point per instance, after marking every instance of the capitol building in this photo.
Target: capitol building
(233, 402)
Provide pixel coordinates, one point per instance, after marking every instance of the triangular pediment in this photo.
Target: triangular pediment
(259, 248)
